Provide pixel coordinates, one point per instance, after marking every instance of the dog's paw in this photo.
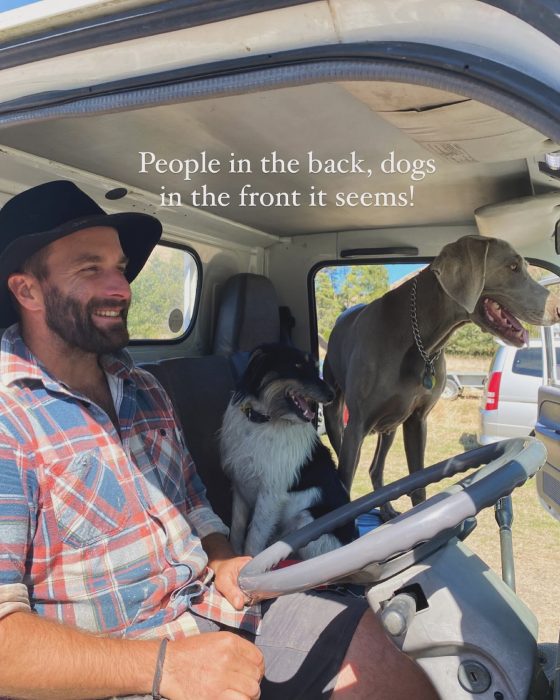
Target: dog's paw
(387, 512)
(418, 496)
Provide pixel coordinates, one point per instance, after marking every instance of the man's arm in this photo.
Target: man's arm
(45, 660)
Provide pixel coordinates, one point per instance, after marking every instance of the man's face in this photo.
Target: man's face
(86, 294)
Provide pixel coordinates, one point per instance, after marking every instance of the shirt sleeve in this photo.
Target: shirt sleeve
(14, 530)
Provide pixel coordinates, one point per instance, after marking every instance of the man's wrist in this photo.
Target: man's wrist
(217, 548)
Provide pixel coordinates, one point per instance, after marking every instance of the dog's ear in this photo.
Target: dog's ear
(250, 381)
(461, 269)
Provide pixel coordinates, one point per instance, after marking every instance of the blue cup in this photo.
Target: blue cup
(366, 522)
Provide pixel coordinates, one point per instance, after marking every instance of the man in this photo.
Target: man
(107, 542)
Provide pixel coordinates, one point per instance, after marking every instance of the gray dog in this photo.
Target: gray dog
(385, 359)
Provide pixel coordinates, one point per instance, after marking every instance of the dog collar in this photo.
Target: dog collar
(429, 376)
(254, 416)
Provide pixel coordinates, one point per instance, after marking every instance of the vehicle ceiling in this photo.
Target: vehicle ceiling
(483, 157)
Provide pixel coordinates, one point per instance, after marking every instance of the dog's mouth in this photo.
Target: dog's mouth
(300, 406)
(499, 321)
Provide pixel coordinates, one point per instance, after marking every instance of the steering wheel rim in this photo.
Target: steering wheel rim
(506, 465)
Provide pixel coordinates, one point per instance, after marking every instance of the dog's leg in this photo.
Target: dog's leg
(350, 451)
(384, 443)
(239, 520)
(296, 515)
(414, 434)
(323, 544)
(334, 411)
(266, 516)
(297, 503)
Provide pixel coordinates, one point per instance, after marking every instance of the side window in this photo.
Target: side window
(340, 287)
(164, 295)
(528, 362)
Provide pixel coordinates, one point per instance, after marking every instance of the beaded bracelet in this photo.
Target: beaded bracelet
(159, 670)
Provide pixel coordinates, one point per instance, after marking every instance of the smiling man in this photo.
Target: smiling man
(108, 546)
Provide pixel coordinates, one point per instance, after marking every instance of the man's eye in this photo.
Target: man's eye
(90, 268)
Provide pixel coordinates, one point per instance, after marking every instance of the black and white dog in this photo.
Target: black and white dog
(283, 476)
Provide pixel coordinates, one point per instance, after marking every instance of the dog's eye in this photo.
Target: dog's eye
(298, 365)
(514, 266)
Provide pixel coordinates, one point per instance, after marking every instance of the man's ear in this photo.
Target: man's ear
(26, 290)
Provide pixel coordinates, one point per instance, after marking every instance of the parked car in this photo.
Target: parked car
(508, 406)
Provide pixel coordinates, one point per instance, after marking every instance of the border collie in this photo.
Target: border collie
(283, 476)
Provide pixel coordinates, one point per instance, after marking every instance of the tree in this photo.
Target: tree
(471, 340)
(340, 288)
(327, 302)
(157, 290)
(362, 284)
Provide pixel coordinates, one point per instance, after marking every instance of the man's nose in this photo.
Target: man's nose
(117, 285)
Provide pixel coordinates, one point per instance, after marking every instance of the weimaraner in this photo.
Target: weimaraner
(388, 374)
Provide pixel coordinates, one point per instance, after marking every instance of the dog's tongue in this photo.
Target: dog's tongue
(304, 407)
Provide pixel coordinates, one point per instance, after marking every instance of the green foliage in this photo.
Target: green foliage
(157, 290)
(358, 284)
(471, 340)
(328, 303)
(363, 284)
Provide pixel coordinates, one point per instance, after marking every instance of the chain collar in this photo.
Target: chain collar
(429, 372)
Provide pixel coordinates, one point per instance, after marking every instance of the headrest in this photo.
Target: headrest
(248, 314)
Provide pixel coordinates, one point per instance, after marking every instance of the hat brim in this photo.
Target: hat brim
(138, 234)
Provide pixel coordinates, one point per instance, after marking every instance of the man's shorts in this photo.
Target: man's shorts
(304, 638)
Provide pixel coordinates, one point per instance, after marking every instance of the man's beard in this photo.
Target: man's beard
(73, 322)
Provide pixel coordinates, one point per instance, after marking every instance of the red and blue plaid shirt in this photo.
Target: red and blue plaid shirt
(101, 530)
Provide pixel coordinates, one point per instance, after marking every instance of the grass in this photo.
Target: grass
(536, 535)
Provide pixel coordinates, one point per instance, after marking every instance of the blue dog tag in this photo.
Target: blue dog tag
(429, 379)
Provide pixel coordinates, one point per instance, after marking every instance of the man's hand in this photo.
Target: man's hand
(226, 580)
(211, 666)
(226, 566)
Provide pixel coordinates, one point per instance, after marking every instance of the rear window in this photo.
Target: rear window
(529, 361)
(164, 295)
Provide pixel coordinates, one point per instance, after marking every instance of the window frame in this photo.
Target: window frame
(139, 342)
(420, 260)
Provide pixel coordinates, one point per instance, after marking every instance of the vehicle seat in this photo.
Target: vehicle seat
(201, 387)
(249, 315)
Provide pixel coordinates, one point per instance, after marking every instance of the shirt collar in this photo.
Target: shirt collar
(17, 362)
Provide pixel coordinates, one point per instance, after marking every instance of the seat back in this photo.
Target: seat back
(248, 315)
(200, 389)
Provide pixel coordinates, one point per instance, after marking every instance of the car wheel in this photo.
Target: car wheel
(451, 390)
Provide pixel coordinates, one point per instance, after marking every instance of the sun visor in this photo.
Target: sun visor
(520, 220)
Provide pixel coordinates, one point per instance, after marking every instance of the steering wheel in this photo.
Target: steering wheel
(507, 464)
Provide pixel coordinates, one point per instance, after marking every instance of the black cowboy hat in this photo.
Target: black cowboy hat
(43, 214)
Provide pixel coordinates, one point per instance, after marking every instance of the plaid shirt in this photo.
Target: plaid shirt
(98, 530)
